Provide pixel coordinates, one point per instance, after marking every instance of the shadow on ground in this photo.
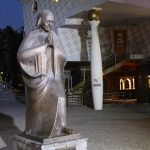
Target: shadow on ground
(7, 129)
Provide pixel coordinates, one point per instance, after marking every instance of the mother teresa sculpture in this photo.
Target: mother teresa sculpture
(42, 62)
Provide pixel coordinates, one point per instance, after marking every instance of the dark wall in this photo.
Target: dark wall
(143, 91)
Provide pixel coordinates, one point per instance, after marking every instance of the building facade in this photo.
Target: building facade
(124, 34)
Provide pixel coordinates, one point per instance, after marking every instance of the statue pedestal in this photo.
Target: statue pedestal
(66, 142)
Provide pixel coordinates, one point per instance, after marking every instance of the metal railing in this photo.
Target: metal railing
(114, 59)
(136, 50)
(111, 61)
(120, 96)
(74, 98)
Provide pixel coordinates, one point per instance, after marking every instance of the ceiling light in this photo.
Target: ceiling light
(56, 1)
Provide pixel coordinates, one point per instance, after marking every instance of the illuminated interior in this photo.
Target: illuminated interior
(128, 83)
(148, 81)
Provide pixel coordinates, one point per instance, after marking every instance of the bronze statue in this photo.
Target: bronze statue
(42, 62)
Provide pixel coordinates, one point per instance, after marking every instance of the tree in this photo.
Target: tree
(9, 44)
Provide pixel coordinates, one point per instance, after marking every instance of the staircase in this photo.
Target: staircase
(114, 61)
(74, 98)
(81, 93)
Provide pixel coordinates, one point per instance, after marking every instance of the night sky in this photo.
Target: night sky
(11, 14)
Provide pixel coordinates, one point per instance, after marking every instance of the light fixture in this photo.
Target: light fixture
(56, 1)
(94, 14)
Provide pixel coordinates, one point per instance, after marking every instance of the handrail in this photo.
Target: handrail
(132, 49)
(119, 95)
(113, 59)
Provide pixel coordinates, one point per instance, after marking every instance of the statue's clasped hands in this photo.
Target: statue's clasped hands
(49, 40)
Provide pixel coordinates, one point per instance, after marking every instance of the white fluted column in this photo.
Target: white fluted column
(96, 67)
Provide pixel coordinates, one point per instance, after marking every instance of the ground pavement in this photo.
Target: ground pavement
(116, 127)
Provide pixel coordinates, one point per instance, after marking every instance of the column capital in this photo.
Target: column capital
(94, 14)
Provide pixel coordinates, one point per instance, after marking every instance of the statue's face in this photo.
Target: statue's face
(47, 25)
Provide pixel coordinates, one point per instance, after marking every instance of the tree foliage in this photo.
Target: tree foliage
(10, 40)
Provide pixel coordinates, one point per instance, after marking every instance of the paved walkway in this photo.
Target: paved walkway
(116, 127)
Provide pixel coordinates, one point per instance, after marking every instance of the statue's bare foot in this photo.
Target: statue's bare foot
(67, 131)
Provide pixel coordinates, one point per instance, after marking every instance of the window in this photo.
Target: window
(127, 83)
(148, 81)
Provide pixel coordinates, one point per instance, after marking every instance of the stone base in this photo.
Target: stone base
(66, 142)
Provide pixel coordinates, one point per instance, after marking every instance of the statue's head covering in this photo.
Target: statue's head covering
(44, 16)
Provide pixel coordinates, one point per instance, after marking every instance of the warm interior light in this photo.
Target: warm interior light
(127, 83)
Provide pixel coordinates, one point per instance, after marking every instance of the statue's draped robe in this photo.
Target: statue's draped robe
(41, 71)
